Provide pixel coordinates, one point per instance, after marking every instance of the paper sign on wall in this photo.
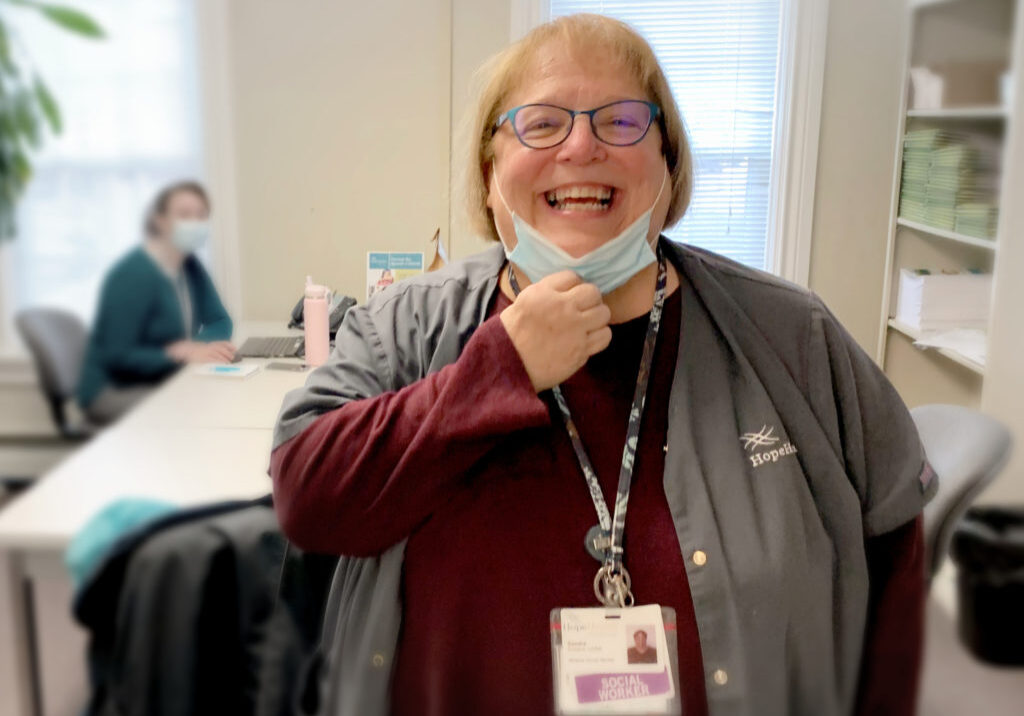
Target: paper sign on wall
(384, 268)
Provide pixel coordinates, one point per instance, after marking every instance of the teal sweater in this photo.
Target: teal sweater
(139, 316)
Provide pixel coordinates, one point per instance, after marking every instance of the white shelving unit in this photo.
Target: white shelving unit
(994, 113)
(989, 244)
(968, 34)
(914, 334)
(917, 4)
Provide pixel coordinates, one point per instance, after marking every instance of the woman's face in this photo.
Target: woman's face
(182, 206)
(532, 179)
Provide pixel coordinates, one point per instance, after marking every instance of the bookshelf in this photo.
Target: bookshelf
(914, 334)
(969, 46)
(994, 113)
(988, 244)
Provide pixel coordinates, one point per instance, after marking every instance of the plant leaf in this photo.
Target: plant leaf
(49, 106)
(25, 120)
(6, 64)
(71, 20)
(8, 128)
(22, 168)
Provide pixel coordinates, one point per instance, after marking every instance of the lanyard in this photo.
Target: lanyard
(612, 582)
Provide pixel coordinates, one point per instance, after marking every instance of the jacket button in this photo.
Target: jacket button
(377, 660)
(721, 678)
(700, 558)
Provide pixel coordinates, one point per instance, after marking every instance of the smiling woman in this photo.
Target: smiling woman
(555, 65)
(475, 423)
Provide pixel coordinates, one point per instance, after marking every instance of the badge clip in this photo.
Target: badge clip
(612, 589)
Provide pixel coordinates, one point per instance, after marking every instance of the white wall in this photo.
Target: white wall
(480, 29)
(859, 115)
(1003, 393)
(341, 139)
(337, 123)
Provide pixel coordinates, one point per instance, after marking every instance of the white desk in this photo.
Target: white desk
(188, 400)
(197, 439)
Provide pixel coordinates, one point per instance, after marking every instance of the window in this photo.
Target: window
(721, 61)
(131, 125)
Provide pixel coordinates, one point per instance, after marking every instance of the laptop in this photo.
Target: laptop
(273, 347)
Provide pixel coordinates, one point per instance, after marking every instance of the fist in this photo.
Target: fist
(555, 325)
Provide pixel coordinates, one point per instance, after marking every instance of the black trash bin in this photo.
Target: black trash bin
(988, 548)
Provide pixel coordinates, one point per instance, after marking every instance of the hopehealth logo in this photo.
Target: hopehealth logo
(759, 439)
(764, 438)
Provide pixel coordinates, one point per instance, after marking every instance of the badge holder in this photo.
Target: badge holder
(597, 692)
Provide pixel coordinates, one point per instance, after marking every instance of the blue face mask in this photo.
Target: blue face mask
(607, 267)
(190, 236)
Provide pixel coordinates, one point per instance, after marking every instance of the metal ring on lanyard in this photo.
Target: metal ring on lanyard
(613, 589)
(612, 584)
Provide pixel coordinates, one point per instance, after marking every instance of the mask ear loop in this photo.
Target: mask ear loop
(497, 185)
(661, 190)
(497, 229)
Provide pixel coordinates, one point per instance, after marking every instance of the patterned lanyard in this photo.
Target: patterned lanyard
(612, 582)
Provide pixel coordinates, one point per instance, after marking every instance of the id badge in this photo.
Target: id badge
(615, 661)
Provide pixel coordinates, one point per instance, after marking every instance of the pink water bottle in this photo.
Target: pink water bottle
(314, 317)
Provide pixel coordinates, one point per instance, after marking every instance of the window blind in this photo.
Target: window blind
(720, 57)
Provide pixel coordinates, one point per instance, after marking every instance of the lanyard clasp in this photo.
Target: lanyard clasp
(612, 588)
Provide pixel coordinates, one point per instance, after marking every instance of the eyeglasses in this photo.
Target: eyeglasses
(541, 126)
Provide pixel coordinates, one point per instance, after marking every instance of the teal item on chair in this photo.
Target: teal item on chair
(93, 542)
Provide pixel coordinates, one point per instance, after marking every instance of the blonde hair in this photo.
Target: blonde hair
(505, 72)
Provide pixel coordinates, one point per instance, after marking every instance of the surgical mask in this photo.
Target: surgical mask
(607, 267)
(189, 236)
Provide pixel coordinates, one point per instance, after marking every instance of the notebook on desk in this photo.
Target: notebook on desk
(273, 347)
(227, 370)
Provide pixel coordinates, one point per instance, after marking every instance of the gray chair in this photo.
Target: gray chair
(967, 451)
(56, 340)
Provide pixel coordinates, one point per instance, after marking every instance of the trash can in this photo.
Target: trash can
(988, 549)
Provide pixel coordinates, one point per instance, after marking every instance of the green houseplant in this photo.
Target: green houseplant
(27, 107)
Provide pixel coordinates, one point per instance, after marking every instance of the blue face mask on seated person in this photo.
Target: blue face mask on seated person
(607, 267)
(189, 236)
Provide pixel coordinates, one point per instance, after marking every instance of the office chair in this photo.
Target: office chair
(57, 342)
(967, 451)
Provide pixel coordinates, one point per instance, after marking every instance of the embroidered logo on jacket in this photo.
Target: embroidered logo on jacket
(762, 439)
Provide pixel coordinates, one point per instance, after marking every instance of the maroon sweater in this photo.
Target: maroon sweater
(477, 471)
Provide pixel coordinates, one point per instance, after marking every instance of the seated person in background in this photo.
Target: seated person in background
(158, 309)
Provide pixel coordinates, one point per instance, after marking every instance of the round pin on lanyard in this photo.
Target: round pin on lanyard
(603, 541)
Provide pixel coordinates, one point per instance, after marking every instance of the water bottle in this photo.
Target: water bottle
(314, 317)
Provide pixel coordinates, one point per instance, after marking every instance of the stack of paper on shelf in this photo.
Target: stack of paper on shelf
(933, 302)
(978, 219)
(944, 170)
